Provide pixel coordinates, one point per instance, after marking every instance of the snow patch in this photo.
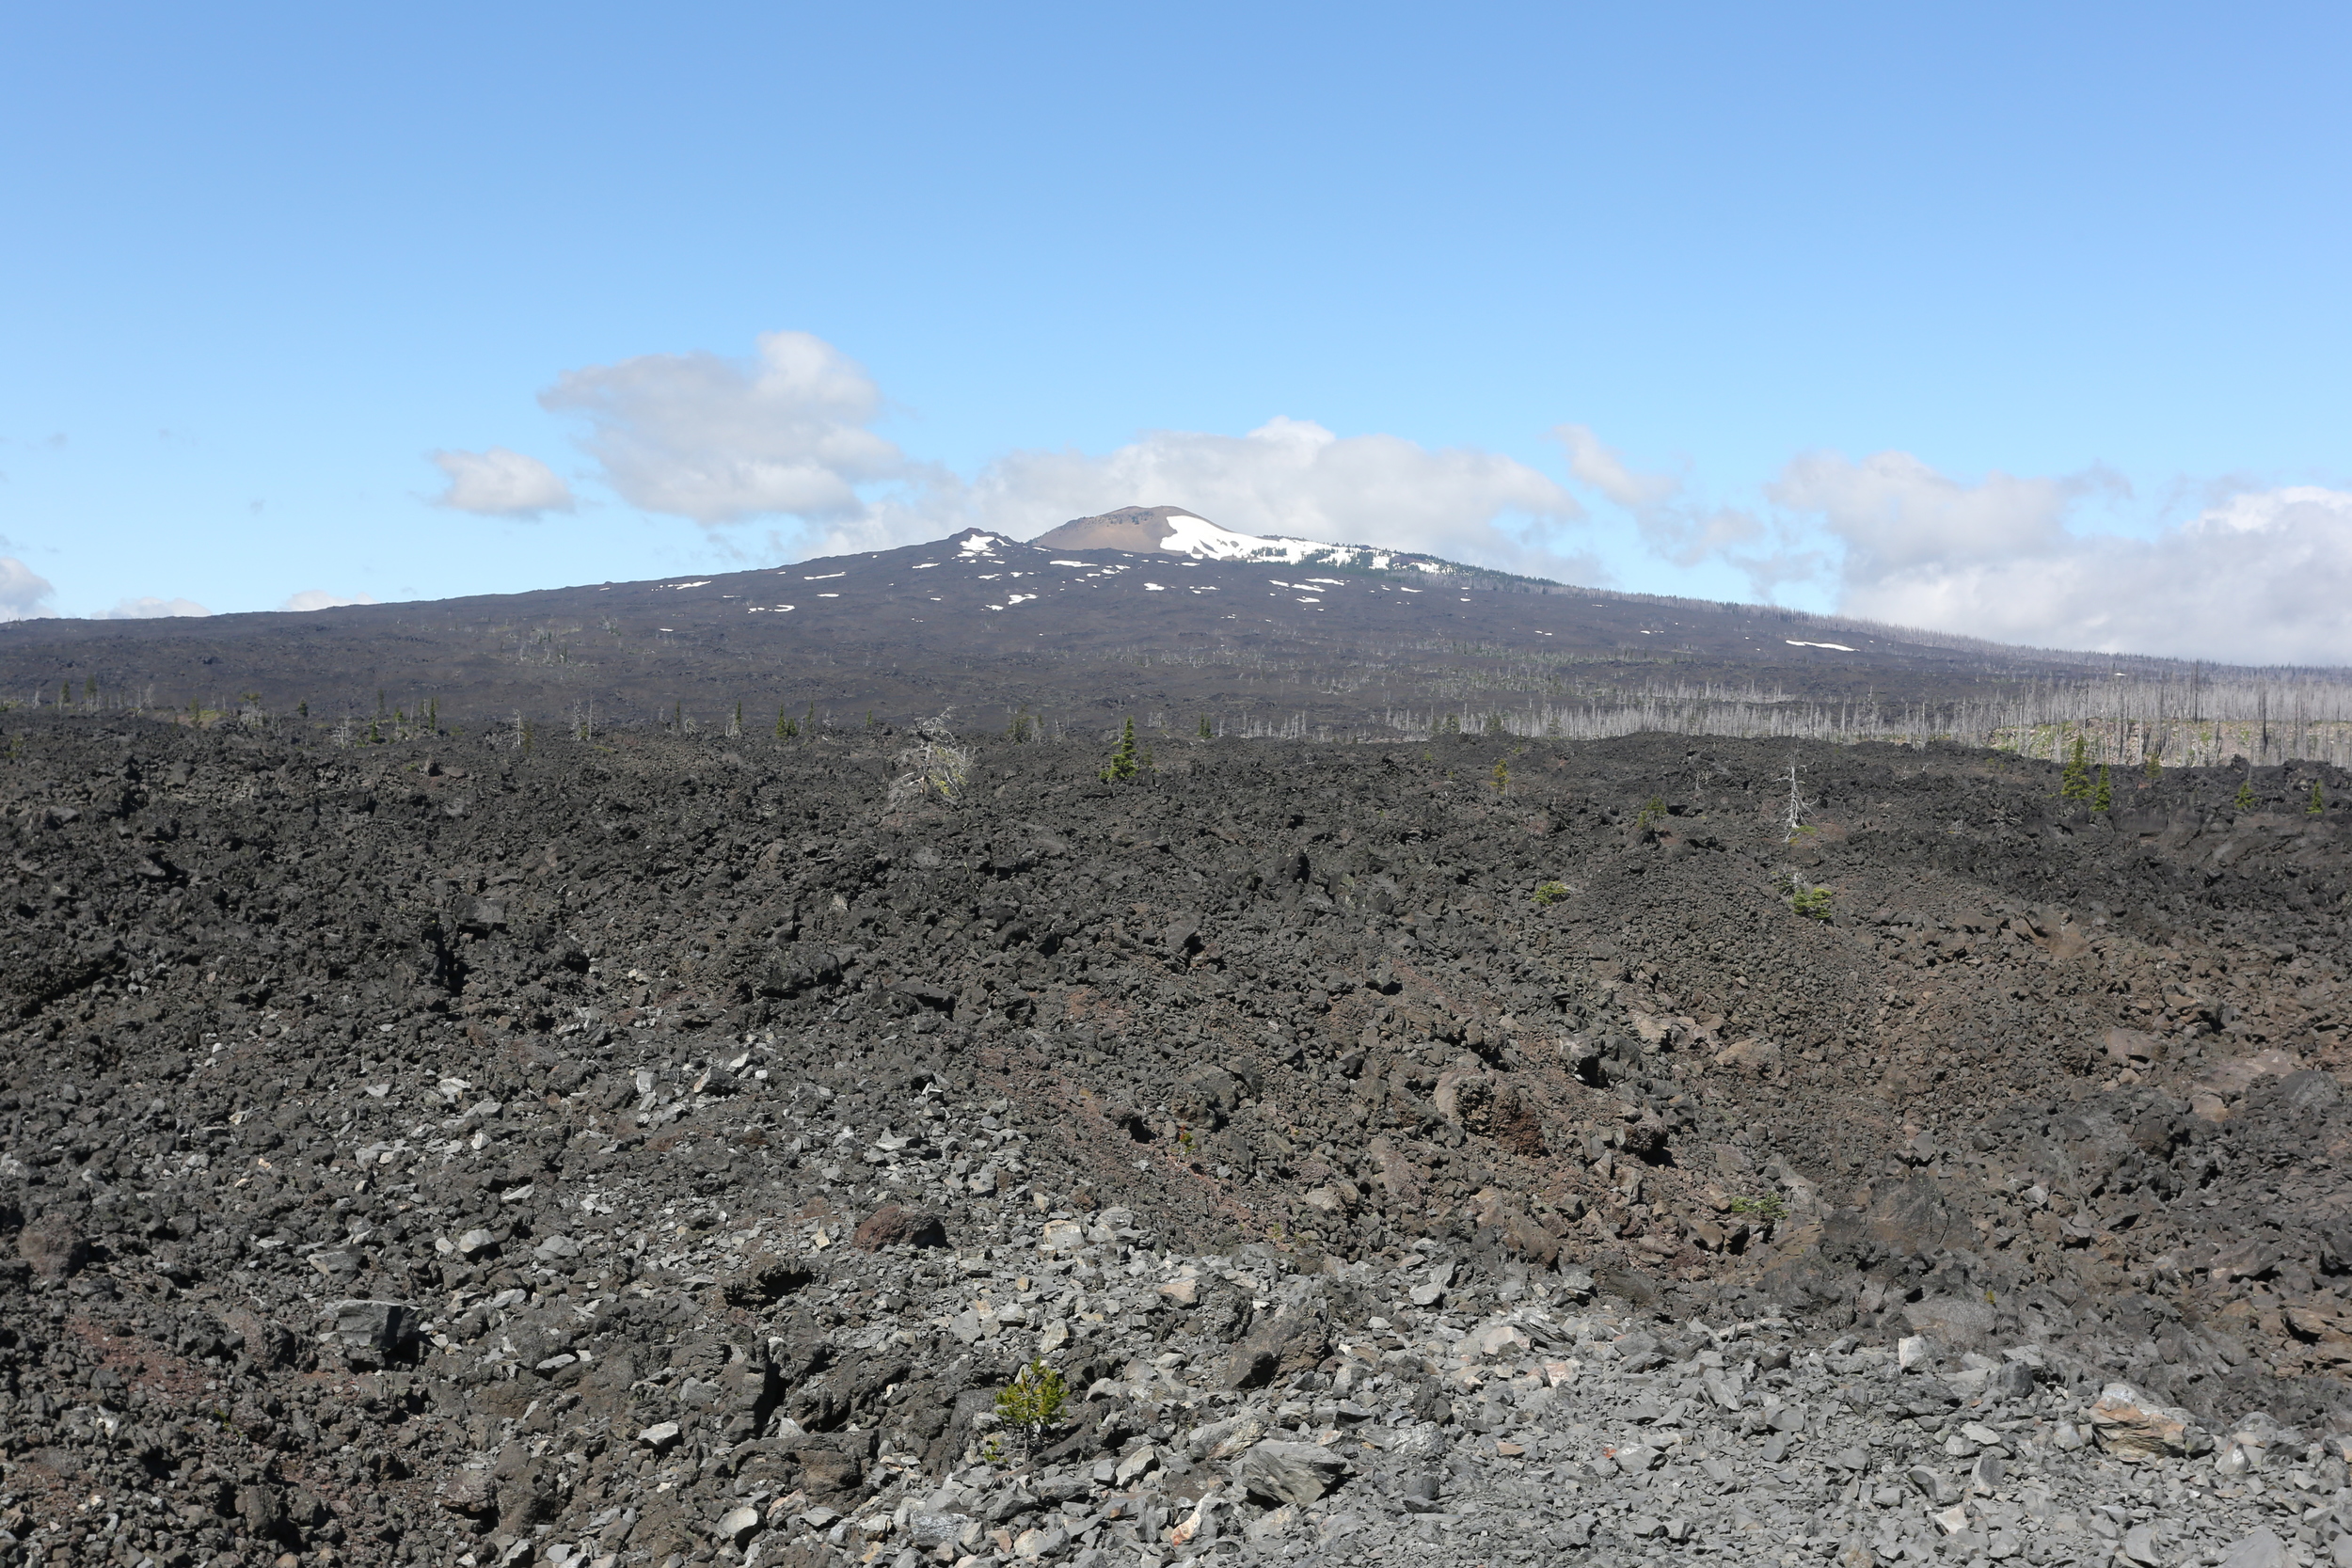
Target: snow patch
(1838, 646)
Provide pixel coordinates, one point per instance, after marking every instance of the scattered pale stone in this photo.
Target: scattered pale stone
(2131, 1426)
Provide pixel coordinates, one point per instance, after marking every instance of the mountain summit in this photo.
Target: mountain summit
(1176, 531)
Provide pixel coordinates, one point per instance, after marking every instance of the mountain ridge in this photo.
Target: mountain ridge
(1351, 642)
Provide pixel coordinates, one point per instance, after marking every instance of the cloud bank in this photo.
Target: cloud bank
(501, 483)
(23, 592)
(2262, 576)
(319, 598)
(2265, 577)
(1294, 477)
(788, 436)
(150, 609)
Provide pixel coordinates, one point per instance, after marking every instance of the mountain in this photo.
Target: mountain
(1154, 613)
(1173, 530)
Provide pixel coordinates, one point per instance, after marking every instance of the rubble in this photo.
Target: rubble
(1382, 1214)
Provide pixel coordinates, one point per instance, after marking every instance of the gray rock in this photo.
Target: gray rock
(2131, 1425)
(2260, 1549)
(368, 1332)
(737, 1525)
(1282, 1472)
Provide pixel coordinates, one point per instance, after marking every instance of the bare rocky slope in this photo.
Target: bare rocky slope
(664, 1150)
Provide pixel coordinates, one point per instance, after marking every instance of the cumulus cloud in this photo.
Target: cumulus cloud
(23, 592)
(2263, 577)
(500, 483)
(788, 435)
(1291, 477)
(1288, 476)
(722, 441)
(1685, 530)
(150, 609)
(319, 598)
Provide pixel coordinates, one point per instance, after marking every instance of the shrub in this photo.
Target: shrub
(1032, 1404)
(935, 765)
(1810, 902)
(1551, 893)
(2244, 801)
(2319, 802)
(1767, 1208)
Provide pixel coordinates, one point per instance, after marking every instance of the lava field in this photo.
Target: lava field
(667, 1149)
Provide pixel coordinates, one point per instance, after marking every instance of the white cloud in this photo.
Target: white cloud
(23, 592)
(2262, 577)
(720, 440)
(787, 435)
(1687, 531)
(319, 598)
(150, 609)
(501, 483)
(1288, 476)
(2265, 576)
(1291, 477)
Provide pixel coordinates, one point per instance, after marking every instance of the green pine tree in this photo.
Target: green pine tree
(2155, 766)
(1124, 763)
(2075, 783)
(1207, 732)
(1502, 776)
(2244, 801)
(2319, 802)
(2101, 795)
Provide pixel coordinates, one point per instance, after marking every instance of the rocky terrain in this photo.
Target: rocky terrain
(667, 1148)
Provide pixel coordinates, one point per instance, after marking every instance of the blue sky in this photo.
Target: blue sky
(1979, 316)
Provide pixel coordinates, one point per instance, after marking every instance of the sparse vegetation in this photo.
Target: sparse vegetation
(1764, 1207)
(1125, 764)
(1031, 1405)
(2074, 780)
(935, 765)
(1810, 901)
(1550, 893)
